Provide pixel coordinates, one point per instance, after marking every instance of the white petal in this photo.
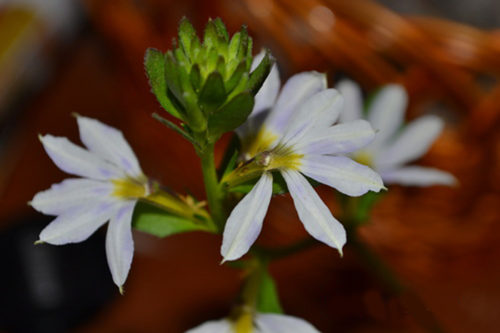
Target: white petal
(276, 323)
(341, 138)
(78, 224)
(387, 112)
(77, 161)
(320, 110)
(342, 173)
(266, 97)
(108, 143)
(214, 326)
(119, 243)
(414, 141)
(313, 213)
(245, 222)
(69, 194)
(418, 176)
(353, 101)
(295, 91)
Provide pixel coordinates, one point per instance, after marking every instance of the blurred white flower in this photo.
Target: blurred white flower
(293, 134)
(393, 147)
(111, 185)
(263, 323)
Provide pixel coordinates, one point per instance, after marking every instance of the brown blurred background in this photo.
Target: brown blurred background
(60, 57)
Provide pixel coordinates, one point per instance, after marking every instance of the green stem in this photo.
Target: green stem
(212, 188)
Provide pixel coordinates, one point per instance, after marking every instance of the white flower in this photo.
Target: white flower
(296, 138)
(111, 184)
(392, 148)
(263, 323)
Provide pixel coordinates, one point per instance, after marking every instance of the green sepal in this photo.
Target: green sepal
(268, 299)
(213, 93)
(259, 75)
(210, 37)
(231, 115)
(156, 221)
(243, 44)
(154, 64)
(233, 47)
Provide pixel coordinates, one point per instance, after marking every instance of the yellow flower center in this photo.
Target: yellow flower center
(363, 157)
(261, 142)
(127, 188)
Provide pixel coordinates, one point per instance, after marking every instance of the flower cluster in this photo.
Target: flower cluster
(303, 133)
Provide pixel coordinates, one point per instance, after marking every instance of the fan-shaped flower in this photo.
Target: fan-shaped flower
(263, 323)
(111, 183)
(293, 134)
(392, 148)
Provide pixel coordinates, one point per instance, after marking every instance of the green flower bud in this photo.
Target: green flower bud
(208, 85)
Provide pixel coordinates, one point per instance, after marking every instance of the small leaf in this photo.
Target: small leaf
(234, 46)
(210, 36)
(213, 93)
(154, 63)
(195, 77)
(243, 45)
(186, 34)
(231, 115)
(172, 77)
(175, 128)
(221, 29)
(258, 76)
(155, 221)
(268, 299)
(236, 77)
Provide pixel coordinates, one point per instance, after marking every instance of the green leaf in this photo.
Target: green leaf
(231, 115)
(234, 45)
(268, 299)
(230, 157)
(213, 93)
(154, 63)
(236, 77)
(195, 77)
(221, 29)
(172, 77)
(260, 73)
(243, 45)
(210, 38)
(186, 34)
(155, 221)
(175, 128)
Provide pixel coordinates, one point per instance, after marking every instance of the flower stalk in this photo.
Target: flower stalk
(212, 188)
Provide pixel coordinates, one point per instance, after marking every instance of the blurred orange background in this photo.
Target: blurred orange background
(444, 243)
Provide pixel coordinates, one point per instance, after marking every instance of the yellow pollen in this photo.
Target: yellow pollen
(259, 143)
(363, 157)
(126, 188)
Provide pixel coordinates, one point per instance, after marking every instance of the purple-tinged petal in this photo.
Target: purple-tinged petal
(75, 160)
(119, 243)
(109, 143)
(268, 92)
(312, 211)
(78, 224)
(418, 176)
(353, 101)
(245, 222)
(69, 194)
(341, 173)
(414, 141)
(341, 138)
(277, 323)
